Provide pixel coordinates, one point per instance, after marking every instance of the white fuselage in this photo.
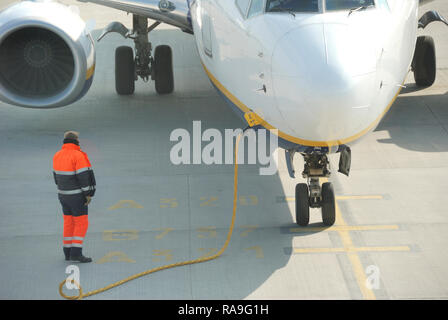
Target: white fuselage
(322, 80)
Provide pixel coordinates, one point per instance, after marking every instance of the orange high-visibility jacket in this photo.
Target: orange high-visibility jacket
(72, 171)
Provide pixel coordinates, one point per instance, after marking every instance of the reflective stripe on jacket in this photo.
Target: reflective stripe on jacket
(72, 171)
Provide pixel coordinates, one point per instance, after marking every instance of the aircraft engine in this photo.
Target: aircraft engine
(47, 56)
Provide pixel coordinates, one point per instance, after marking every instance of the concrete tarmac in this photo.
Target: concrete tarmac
(392, 221)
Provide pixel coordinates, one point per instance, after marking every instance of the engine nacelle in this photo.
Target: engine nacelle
(47, 56)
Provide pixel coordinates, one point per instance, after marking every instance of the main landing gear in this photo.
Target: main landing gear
(128, 68)
(424, 62)
(312, 194)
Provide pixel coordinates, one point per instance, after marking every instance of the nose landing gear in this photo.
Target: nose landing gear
(312, 194)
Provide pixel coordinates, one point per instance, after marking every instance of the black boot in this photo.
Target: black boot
(76, 255)
(67, 254)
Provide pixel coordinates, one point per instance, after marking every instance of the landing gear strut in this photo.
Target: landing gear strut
(311, 194)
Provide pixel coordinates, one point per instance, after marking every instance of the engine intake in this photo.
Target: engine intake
(35, 62)
(47, 57)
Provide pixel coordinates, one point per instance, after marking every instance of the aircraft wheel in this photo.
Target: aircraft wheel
(163, 69)
(302, 205)
(328, 204)
(424, 63)
(124, 70)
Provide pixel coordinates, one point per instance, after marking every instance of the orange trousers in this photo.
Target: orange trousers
(75, 229)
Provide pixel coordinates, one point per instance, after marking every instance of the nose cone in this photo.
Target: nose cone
(324, 78)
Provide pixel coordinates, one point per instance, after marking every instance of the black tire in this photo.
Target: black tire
(124, 70)
(328, 204)
(424, 62)
(302, 205)
(163, 70)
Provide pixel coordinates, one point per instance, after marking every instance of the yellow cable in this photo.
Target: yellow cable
(82, 295)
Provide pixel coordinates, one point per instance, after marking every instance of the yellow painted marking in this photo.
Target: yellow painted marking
(357, 266)
(366, 197)
(90, 72)
(243, 201)
(354, 259)
(208, 252)
(168, 203)
(253, 200)
(353, 249)
(208, 201)
(164, 233)
(126, 204)
(372, 197)
(120, 235)
(384, 249)
(360, 276)
(162, 253)
(115, 256)
(206, 232)
(255, 118)
(344, 228)
(249, 229)
(258, 251)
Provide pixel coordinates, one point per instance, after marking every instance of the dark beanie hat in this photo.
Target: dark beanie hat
(71, 137)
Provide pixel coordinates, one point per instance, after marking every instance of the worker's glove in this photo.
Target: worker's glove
(88, 200)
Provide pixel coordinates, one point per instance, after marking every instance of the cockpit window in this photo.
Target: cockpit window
(292, 5)
(243, 5)
(256, 7)
(382, 4)
(332, 5)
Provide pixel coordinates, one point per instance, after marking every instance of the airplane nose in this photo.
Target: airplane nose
(324, 81)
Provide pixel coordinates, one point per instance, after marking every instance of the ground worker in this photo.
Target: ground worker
(74, 177)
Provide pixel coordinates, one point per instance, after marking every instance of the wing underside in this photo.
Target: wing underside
(174, 12)
(422, 2)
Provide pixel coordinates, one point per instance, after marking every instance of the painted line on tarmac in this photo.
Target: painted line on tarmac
(347, 197)
(352, 249)
(343, 228)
